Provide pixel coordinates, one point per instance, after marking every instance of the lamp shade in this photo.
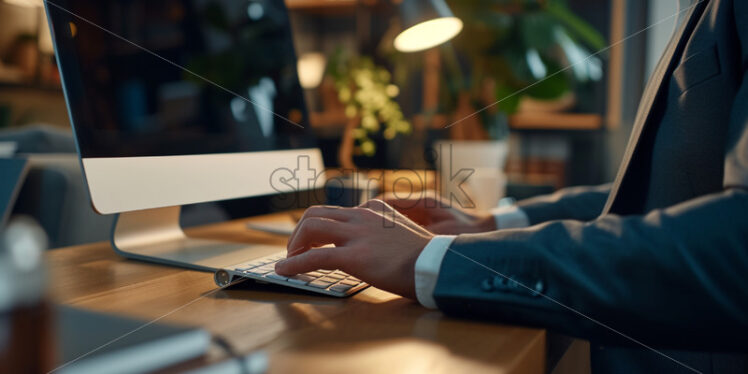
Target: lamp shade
(426, 24)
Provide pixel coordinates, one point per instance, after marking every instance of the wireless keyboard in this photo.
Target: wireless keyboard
(328, 282)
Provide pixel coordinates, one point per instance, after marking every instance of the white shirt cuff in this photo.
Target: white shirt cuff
(427, 268)
(510, 217)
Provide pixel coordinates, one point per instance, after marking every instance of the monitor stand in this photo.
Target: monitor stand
(155, 235)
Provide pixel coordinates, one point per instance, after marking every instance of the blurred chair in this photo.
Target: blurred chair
(55, 195)
(53, 192)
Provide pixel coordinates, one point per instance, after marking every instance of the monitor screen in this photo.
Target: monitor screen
(179, 77)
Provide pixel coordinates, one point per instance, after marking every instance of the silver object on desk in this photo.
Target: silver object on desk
(254, 363)
(327, 282)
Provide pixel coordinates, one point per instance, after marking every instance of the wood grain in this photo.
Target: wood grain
(372, 332)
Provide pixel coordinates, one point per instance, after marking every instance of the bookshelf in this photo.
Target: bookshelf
(327, 6)
(556, 121)
(319, 4)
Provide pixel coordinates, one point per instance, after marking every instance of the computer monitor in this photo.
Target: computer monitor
(177, 102)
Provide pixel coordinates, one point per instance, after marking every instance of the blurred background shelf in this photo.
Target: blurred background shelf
(30, 86)
(327, 5)
(555, 121)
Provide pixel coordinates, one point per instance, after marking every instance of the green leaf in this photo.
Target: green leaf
(551, 87)
(536, 30)
(576, 25)
(507, 98)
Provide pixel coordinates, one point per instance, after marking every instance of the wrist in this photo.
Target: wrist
(427, 269)
(486, 223)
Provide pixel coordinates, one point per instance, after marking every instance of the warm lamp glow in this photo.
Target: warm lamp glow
(26, 3)
(428, 34)
(311, 69)
(45, 37)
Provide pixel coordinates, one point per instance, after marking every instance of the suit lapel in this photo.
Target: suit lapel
(654, 88)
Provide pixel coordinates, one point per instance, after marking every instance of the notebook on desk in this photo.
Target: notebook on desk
(90, 342)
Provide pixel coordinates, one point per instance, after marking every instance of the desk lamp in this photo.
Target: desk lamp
(426, 24)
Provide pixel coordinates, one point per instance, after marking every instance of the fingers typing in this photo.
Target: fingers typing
(316, 231)
(319, 258)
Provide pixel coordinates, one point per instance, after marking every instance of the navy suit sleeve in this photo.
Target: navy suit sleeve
(676, 277)
(579, 203)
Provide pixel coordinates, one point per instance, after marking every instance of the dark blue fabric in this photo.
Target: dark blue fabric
(666, 263)
(580, 203)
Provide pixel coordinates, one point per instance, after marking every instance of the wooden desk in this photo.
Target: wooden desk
(373, 331)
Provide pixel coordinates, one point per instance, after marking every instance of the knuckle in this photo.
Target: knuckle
(376, 202)
(308, 224)
(307, 213)
(312, 210)
(380, 206)
(302, 226)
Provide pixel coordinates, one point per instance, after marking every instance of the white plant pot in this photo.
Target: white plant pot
(471, 173)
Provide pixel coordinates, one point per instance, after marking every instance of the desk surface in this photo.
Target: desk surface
(373, 331)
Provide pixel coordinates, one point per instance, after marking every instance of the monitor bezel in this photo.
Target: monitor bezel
(125, 184)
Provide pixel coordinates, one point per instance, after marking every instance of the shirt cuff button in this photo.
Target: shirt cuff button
(499, 282)
(486, 285)
(539, 288)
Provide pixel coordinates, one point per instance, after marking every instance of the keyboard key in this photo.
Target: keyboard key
(325, 271)
(262, 270)
(337, 276)
(328, 280)
(340, 287)
(319, 284)
(350, 282)
(354, 279)
(315, 274)
(301, 279)
(251, 265)
(276, 276)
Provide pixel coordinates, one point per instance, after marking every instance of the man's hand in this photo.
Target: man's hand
(372, 242)
(439, 216)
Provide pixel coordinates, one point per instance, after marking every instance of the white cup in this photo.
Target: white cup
(484, 160)
(486, 187)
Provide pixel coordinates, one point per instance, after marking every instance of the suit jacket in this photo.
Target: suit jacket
(658, 259)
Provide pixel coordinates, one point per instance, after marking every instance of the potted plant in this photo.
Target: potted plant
(531, 52)
(367, 95)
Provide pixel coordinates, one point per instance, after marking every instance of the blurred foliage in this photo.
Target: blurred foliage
(537, 47)
(367, 92)
(534, 48)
